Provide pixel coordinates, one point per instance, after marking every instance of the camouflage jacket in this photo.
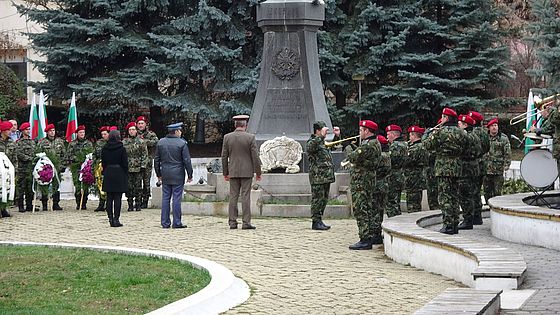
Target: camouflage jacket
(499, 156)
(482, 134)
(8, 146)
(417, 161)
(365, 160)
(554, 119)
(99, 144)
(546, 127)
(398, 151)
(321, 168)
(25, 151)
(150, 139)
(447, 144)
(77, 149)
(470, 159)
(383, 171)
(137, 153)
(55, 147)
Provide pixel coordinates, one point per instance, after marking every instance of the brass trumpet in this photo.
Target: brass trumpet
(539, 107)
(330, 144)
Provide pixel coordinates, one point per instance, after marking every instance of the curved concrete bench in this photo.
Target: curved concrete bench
(224, 291)
(477, 265)
(515, 221)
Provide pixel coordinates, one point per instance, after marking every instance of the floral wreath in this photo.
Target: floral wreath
(7, 178)
(44, 170)
(86, 171)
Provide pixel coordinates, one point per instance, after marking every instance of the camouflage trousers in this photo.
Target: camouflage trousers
(319, 199)
(134, 185)
(477, 199)
(394, 201)
(467, 190)
(146, 178)
(413, 200)
(493, 186)
(368, 212)
(448, 199)
(432, 192)
(24, 185)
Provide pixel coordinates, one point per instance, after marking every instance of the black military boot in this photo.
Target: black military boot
(29, 203)
(449, 229)
(84, 201)
(20, 205)
(78, 197)
(5, 214)
(101, 206)
(144, 204)
(466, 225)
(56, 200)
(130, 204)
(324, 225)
(44, 201)
(361, 245)
(477, 219)
(137, 204)
(317, 225)
(377, 239)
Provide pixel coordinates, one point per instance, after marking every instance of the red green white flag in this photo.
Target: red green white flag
(42, 117)
(72, 124)
(34, 119)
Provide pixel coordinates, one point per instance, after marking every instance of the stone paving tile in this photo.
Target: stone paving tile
(290, 268)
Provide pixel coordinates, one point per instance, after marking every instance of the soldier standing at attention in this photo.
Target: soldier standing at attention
(99, 144)
(25, 151)
(321, 174)
(137, 153)
(398, 149)
(448, 143)
(76, 154)
(150, 139)
(470, 172)
(365, 160)
(53, 147)
(381, 184)
(498, 159)
(415, 168)
(7, 146)
(482, 134)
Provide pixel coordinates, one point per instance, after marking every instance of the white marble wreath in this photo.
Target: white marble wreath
(280, 152)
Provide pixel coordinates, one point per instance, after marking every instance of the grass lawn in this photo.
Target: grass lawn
(46, 280)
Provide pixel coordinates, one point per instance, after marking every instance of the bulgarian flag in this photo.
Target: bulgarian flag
(42, 117)
(72, 124)
(532, 119)
(34, 119)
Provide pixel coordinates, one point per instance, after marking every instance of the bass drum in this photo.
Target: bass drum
(538, 168)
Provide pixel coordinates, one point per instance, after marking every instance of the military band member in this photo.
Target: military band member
(447, 143)
(365, 160)
(398, 149)
(415, 169)
(546, 127)
(7, 146)
(99, 144)
(321, 174)
(150, 139)
(498, 160)
(76, 153)
(137, 154)
(470, 171)
(55, 147)
(25, 151)
(482, 134)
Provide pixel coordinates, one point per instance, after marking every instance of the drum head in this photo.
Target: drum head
(538, 168)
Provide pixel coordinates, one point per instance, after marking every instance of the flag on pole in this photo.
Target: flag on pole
(532, 119)
(72, 124)
(42, 116)
(34, 118)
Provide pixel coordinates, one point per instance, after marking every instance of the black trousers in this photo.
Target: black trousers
(114, 202)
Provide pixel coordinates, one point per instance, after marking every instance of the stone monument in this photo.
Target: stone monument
(290, 94)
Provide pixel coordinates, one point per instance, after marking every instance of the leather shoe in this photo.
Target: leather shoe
(361, 245)
(324, 225)
(316, 225)
(376, 240)
(182, 226)
(477, 220)
(248, 227)
(447, 229)
(465, 225)
(5, 214)
(233, 227)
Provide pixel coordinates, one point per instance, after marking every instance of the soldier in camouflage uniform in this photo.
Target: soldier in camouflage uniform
(546, 127)
(151, 140)
(99, 144)
(498, 160)
(470, 171)
(137, 152)
(25, 151)
(321, 174)
(55, 147)
(76, 152)
(365, 160)
(482, 134)
(448, 143)
(415, 169)
(381, 185)
(398, 149)
(7, 146)
(431, 182)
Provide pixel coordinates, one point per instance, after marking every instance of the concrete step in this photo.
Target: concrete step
(304, 199)
(463, 301)
(205, 188)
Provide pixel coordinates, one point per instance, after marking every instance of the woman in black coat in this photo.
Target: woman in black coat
(115, 175)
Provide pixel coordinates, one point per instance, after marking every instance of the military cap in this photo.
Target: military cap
(382, 139)
(49, 127)
(24, 126)
(491, 122)
(81, 127)
(130, 125)
(369, 124)
(176, 126)
(141, 118)
(476, 116)
(318, 125)
(449, 112)
(241, 117)
(104, 128)
(393, 128)
(467, 119)
(416, 129)
(5, 125)
(113, 128)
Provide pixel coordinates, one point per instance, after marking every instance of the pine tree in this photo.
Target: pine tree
(11, 92)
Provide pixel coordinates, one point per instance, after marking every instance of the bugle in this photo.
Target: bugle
(540, 105)
(330, 144)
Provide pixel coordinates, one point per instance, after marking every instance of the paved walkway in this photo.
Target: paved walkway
(290, 268)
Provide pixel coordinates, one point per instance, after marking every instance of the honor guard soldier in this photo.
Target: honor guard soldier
(381, 183)
(415, 169)
(481, 132)
(137, 154)
(448, 143)
(321, 174)
(398, 149)
(7, 146)
(76, 154)
(365, 160)
(99, 144)
(150, 139)
(54, 147)
(498, 160)
(470, 172)
(25, 151)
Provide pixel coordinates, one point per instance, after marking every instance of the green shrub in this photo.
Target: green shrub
(514, 186)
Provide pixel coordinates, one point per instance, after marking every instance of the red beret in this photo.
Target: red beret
(24, 126)
(113, 128)
(467, 119)
(104, 128)
(81, 127)
(492, 121)
(130, 124)
(49, 127)
(449, 112)
(140, 118)
(382, 139)
(393, 128)
(368, 124)
(5, 125)
(476, 116)
(416, 129)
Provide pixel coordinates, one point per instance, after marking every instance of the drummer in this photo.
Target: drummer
(498, 160)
